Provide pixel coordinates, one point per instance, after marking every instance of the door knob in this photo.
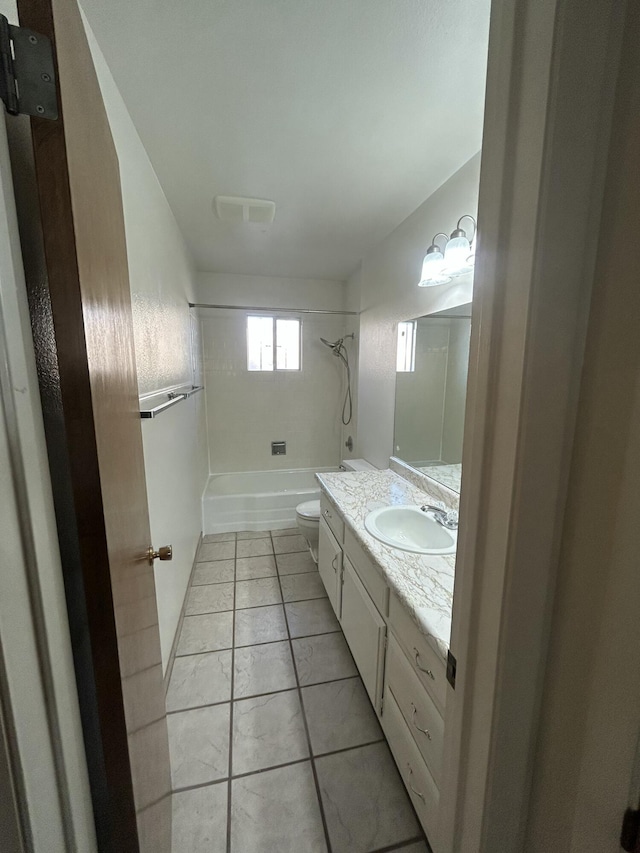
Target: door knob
(165, 552)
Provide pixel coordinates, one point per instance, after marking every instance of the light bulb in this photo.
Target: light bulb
(456, 253)
(432, 267)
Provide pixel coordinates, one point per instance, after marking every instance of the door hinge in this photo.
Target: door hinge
(630, 833)
(452, 665)
(27, 72)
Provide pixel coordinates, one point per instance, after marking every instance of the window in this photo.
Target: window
(406, 357)
(273, 343)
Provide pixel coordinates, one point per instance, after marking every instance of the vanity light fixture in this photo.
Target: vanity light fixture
(458, 248)
(433, 264)
(458, 257)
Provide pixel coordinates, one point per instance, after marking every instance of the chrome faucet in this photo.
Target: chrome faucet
(447, 518)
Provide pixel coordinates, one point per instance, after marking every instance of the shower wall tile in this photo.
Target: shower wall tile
(247, 411)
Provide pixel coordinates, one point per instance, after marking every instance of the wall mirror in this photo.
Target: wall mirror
(431, 387)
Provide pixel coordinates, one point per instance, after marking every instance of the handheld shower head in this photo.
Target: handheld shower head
(340, 351)
(333, 345)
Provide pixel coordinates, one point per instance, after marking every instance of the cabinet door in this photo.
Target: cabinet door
(365, 630)
(330, 565)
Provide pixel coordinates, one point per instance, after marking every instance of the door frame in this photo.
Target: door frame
(40, 724)
(76, 269)
(545, 150)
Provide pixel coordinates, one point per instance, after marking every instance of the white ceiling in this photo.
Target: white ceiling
(347, 113)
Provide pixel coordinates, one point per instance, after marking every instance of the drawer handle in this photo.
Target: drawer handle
(333, 563)
(415, 725)
(421, 668)
(417, 793)
(327, 513)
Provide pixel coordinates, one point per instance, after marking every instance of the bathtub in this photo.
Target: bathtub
(257, 500)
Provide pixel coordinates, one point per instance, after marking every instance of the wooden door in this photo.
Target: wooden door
(77, 278)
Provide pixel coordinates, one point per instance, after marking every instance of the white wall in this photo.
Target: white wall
(352, 303)
(246, 411)
(386, 291)
(261, 291)
(162, 283)
(175, 461)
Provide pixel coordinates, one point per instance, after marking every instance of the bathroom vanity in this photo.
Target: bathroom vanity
(394, 608)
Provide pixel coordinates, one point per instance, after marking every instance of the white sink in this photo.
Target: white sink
(410, 529)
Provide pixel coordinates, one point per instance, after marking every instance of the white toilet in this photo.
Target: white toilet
(308, 513)
(308, 521)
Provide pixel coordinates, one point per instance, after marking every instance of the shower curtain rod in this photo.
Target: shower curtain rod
(271, 310)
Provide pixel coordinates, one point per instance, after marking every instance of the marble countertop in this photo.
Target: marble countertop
(448, 475)
(422, 582)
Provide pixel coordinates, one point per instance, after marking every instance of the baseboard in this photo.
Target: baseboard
(176, 636)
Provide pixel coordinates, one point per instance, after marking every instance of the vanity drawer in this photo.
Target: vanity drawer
(332, 517)
(368, 573)
(428, 665)
(414, 772)
(421, 715)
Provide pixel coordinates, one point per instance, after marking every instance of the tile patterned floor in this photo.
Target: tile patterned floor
(275, 747)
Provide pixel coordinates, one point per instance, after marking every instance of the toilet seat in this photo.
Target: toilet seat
(309, 510)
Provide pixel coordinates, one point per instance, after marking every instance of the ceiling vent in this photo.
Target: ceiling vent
(234, 209)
